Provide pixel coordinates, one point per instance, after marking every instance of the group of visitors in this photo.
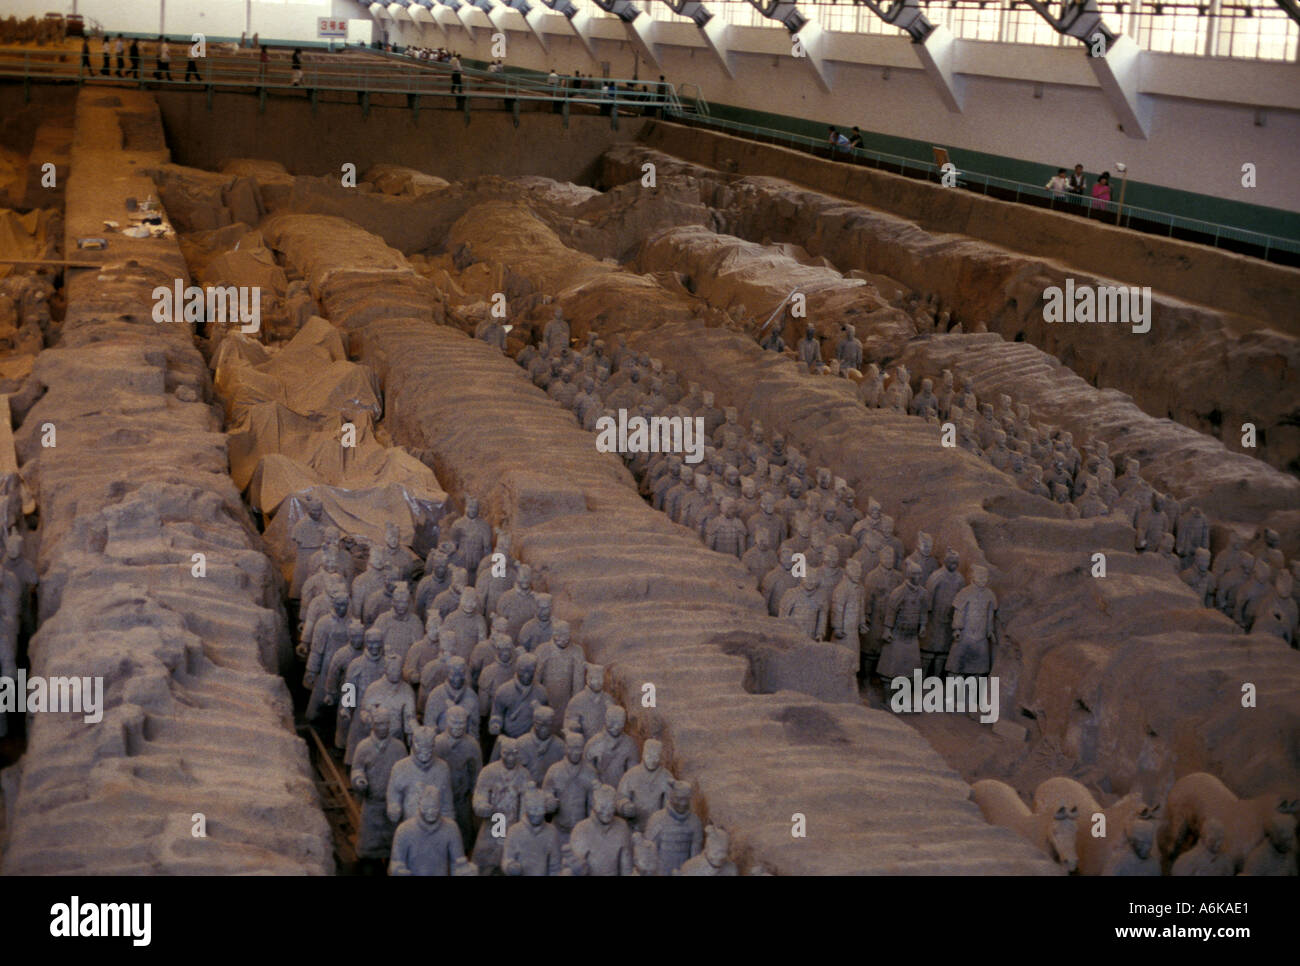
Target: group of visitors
(844, 144)
(436, 55)
(115, 51)
(1074, 186)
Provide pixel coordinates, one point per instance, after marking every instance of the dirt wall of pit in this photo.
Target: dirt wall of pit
(153, 578)
(1219, 279)
(319, 142)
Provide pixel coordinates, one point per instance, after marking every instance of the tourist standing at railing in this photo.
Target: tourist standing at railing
(297, 66)
(164, 71)
(838, 142)
(1078, 185)
(119, 46)
(85, 56)
(557, 90)
(191, 66)
(103, 69)
(1101, 192)
(855, 140)
(135, 58)
(263, 60)
(456, 76)
(1058, 184)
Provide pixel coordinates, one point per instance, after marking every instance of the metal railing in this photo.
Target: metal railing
(1275, 248)
(692, 95)
(394, 74)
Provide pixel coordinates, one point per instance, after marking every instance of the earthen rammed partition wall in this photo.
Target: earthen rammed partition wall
(1236, 284)
(197, 731)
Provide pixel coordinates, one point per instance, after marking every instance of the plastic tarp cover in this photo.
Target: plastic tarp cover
(309, 376)
(366, 465)
(23, 236)
(288, 408)
(360, 513)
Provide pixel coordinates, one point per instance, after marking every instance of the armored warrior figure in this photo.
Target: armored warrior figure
(375, 758)
(849, 349)
(940, 591)
(361, 673)
(515, 701)
(848, 608)
(499, 790)
(464, 759)
(601, 844)
(643, 789)
(399, 558)
(759, 558)
(308, 536)
(334, 675)
(399, 626)
(768, 521)
(412, 774)
(438, 574)
(519, 604)
(585, 714)
(532, 845)
(904, 625)
(974, 630)
(496, 674)
(877, 586)
(612, 751)
(713, 860)
(538, 630)
(426, 844)
(561, 668)
(1198, 576)
(541, 748)
(466, 623)
(803, 607)
(569, 784)
(675, 829)
(455, 692)
(330, 634)
(727, 534)
(923, 556)
(395, 694)
(491, 588)
(473, 539)
(422, 653)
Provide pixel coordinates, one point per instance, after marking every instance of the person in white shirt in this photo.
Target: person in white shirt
(456, 85)
(164, 71)
(1058, 184)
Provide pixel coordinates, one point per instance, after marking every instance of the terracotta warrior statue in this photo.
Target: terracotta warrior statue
(427, 843)
(974, 631)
